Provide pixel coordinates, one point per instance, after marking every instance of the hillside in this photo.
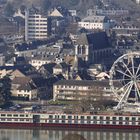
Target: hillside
(81, 5)
(75, 3)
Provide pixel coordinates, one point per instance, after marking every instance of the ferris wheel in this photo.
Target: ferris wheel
(125, 73)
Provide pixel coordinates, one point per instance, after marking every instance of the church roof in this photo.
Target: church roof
(103, 83)
(98, 40)
(83, 39)
(61, 65)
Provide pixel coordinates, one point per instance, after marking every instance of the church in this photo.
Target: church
(93, 48)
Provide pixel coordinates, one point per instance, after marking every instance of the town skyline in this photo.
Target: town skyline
(73, 64)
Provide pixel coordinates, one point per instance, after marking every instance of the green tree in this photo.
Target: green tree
(5, 87)
(9, 9)
(46, 5)
(139, 35)
(74, 2)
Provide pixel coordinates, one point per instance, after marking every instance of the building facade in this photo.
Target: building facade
(81, 89)
(37, 26)
(24, 87)
(2, 59)
(107, 12)
(93, 47)
(14, 39)
(73, 12)
(37, 62)
(94, 22)
(138, 1)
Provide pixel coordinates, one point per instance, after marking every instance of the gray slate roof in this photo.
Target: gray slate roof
(94, 19)
(104, 83)
(97, 40)
(61, 65)
(28, 86)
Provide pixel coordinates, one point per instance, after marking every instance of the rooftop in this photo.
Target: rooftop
(95, 19)
(103, 83)
(98, 40)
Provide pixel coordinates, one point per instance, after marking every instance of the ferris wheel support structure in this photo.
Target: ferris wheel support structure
(126, 71)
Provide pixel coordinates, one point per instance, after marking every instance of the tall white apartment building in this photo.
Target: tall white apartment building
(37, 26)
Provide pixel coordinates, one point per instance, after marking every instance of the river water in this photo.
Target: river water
(22, 134)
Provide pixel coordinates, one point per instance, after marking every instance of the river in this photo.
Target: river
(35, 134)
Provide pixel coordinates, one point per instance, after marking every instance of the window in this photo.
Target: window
(32, 27)
(114, 122)
(31, 16)
(50, 116)
(107, 118)
(114, 118)
(69, 121)
(9, 119)
(127, 118)
(15, 120)
(27, 91)
(69, 117)
(63, 117)
(31, 31)
(82, 121)
(88, 121)
(126, 122)
(120, 118)
(101, 118)
(3, 115)
(120, 123)
(57, 121)
(2, 119)
(31, 20)
(9, 115)
(94, 117)
(101, 122)
(50, 121)
(133, 119)
(88, 117)
(89, 87)
(82, 117)
(76, 121)
(56, 117)
(107, 122)
(21, 120)
(95, 122)
(21, 115)
(75, 117)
